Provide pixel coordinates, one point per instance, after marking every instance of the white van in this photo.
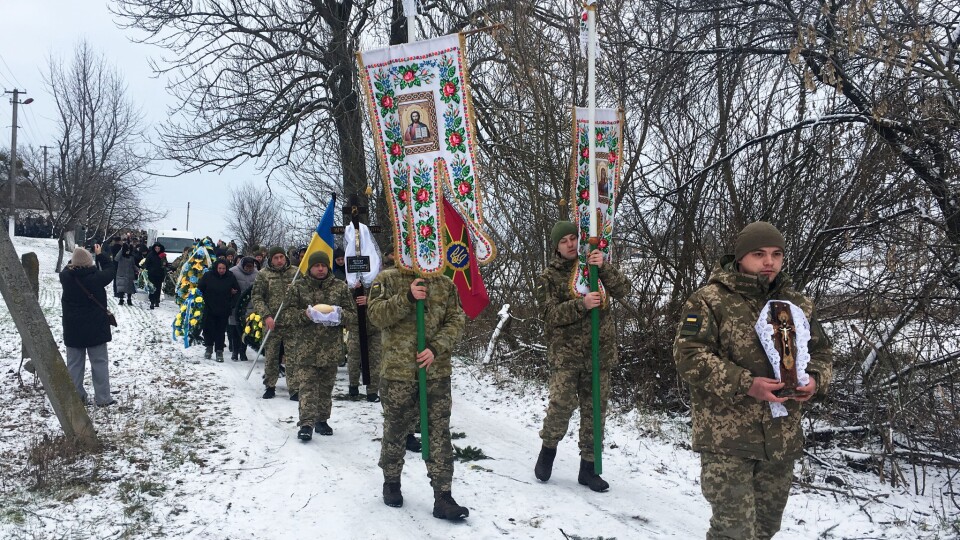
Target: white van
(173, 240)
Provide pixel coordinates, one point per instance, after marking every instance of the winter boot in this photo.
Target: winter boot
(590, 479)
(219, 356)
(353, 391)
(233, 356)
(295, 396)
(208, 352)
(413, 443)
(243, 354)
(271, 391)
(544, 467)
(391, 494)
(444, 507)
(323, 428)
(129, 300)
(121, 301)
(305, 433)
(373, 398)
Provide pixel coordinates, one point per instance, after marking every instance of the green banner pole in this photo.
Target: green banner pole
(422, 377)
(595, 355)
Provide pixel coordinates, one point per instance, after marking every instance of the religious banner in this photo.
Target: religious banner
(609, 148)
(418, 95)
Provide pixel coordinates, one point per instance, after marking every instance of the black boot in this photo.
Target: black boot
(373, 398)
(444, 507)
(590, 479)
(544, 467)
(243, 353)
(208, 352)
(233, 356)
(129, 300)
(219, 356)
(121, 301)
(391, 494)
(295, 396)
(305, 433)
(413, 443)
(323, 428)
(271, 391)
(353, 391)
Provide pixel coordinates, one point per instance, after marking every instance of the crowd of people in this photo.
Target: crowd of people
(745, 428)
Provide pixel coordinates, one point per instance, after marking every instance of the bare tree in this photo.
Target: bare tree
(98, 172)
(256, 218)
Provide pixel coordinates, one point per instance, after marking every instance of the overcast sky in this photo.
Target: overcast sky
(36, 29)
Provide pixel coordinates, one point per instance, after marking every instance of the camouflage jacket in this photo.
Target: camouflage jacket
(718, 354)
(567, 322)
(391, 307)
(270, 290)
(315, 344)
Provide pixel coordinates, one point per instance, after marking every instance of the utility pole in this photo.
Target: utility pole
(13, 157)
(188, 216)
(44, 163)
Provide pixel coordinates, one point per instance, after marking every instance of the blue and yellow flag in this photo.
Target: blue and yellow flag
(322, 237)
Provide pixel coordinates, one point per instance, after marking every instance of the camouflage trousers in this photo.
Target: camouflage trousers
(747, 496)
(373, 354)
(316, 392)
(401, 406)
(271, 363)
(570, 388)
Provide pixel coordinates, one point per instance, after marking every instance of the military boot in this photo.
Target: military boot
(590, 479)
(413, 443)
(305, 433)
(323, 428)
(270, 392)
(219, 356)
(208, 352)
(373, 398)
(243, 354)
(544, 467)
(353, 391)
(444, 507)
(391, 494)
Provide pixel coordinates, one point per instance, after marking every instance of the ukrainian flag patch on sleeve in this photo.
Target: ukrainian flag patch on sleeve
(691, 325)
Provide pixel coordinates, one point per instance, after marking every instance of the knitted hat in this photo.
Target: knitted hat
(338, 252)
(561, 229)
(231, 251)
(274, 250)
(320, 257)
(756, 235)
(81, 258)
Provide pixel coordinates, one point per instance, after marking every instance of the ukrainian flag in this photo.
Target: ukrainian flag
(322, 238)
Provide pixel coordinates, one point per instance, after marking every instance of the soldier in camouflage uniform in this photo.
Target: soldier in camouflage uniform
(311, 347)
(746, 454)
(568, 330)
(269, 292)
(392, 307)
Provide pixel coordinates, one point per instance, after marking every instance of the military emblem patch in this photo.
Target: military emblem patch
(375, 291)
(691, 325)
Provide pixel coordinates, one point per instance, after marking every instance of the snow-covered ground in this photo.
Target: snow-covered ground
(192, 451)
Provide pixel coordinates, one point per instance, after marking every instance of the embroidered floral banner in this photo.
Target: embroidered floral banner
(421, 114)
(609, 148)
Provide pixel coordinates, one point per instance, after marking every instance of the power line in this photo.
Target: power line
(10, 71)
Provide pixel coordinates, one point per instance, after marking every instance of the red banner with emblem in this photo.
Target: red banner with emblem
(460, 264)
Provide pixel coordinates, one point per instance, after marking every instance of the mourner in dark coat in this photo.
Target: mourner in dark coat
(86, 327)
(218, 287)
(156, 265)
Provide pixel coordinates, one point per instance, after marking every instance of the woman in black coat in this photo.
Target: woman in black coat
(218, 287)
(86, 328)
(156, 266)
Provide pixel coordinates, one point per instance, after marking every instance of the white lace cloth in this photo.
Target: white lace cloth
(326, 319)
(765, 332)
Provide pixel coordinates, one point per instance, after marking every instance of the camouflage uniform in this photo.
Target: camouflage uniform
(269, 291)
(747, 455)
(311, 347)
(567, 326)
(391, 307)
